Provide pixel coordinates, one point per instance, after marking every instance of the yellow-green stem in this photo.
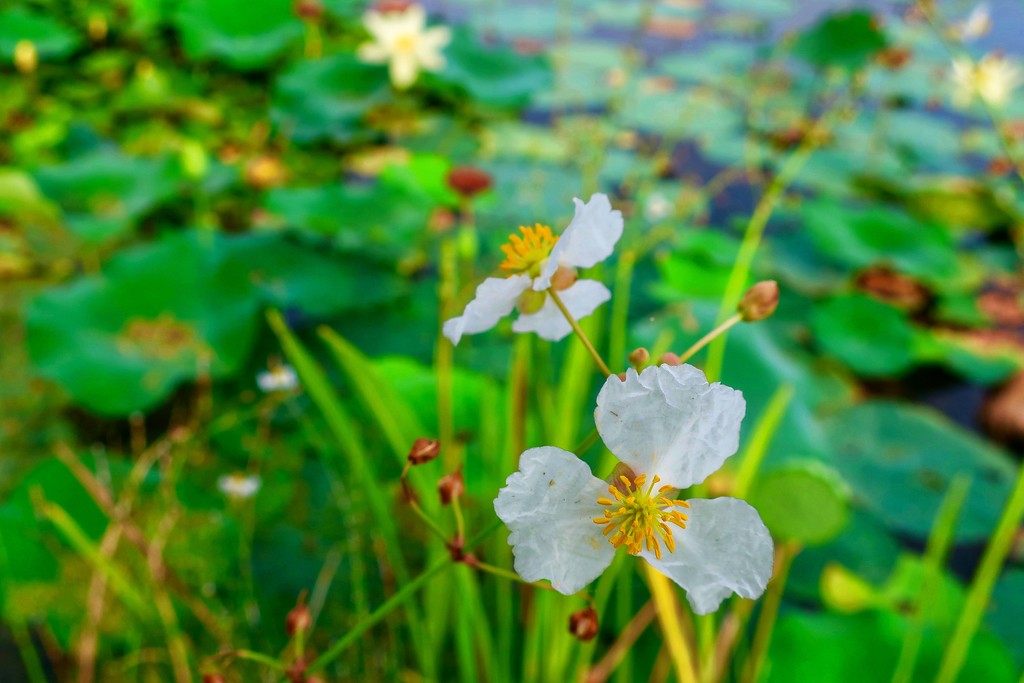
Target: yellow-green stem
(579, 333)
(769, 612)
(668, 617)
(706, 339)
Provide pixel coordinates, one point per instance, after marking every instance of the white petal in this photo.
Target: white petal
(582, 299)
(495, 298)
(411, 21)
(435, 38)
(376, 24)
(724, 549)
(549, 506)
(668, 421)
(372, 53)
(404, 70)
(589, 239)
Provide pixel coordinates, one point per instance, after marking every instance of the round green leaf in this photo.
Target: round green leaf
(804, 502)
(494, 76)
(52, 39)
(246, 34)
(846, 40)
(873, 338)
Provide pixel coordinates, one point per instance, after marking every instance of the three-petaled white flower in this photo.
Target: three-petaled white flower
(672, 429)
(239, 486)
(992, 79)
(539, 263)
(277, 378)
(402, 40)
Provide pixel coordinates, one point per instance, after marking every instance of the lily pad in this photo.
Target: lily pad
(873, 338)
(847, 40)
(494, 76)
(899, 461)
(158, 316)
(246, 34)
(103, 194)
(51, 38)
(803, 502)
(325, 99)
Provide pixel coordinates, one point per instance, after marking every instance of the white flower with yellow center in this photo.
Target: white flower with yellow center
(239, 486)
(993, 79)
(277, 378)
(402, 40)
(539, 262)
(671, 429)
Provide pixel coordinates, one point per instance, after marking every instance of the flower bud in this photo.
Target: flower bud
(299, 620)
(385, 6)
(264, 172)
(759, 302)
(310, 10)
(97, 27)
(214, 678)
(639, 357)
(468, 181)
(583, 624)
(451, 486)
(423, 451)
(564, 278)
(26, 57)
(668, 358)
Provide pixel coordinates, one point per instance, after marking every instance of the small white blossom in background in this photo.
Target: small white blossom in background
(401, 39)
(977, 24)
(657, 208)
(992, 79)
(670, 429)
(279, 378)
(239, 486)
(539, 261)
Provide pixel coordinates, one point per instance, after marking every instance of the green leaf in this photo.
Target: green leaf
(804, 502)
(50, 37)
(161, 314)
(245, 34)
(494, 76)
(326, 99)
(899, 460)
(874, 339)
(847, 40)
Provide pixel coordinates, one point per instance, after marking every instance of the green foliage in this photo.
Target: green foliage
(846, 40)
(245, 34)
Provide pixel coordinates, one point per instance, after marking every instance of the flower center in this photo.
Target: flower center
(405, 44)
(525, 254)
(643, 516)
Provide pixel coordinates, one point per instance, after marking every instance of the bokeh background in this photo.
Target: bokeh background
(196, 192)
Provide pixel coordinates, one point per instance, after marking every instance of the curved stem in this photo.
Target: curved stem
(579, 332)
(706, 339)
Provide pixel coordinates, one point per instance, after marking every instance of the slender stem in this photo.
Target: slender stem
(579, 332)
(706, 339)
(617, 652)
(460, 524)
(588, 441)
(769, 611)
(668, 617)
(982, 585)
(257, 657)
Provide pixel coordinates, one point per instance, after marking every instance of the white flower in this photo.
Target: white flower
(672, 429)
(539, 261)
(239, 486)
(403, 42)
(977, 24)
(279, 378)
(657, 208)
(992, 79)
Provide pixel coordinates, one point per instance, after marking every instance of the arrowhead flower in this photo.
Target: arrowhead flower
(402, 40)
(670, 429)
(539, 262)
(992, 79)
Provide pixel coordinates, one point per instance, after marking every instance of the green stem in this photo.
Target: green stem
(769, 611)
(579, 333)
(982, 585)
(706, 339)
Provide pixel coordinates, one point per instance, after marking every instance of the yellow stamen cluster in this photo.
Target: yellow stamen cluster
(526, 253)
(643, 516)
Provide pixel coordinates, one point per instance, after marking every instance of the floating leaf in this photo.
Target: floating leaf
(847, 40)
(804, 502)
(245, 34)
(873, 338)
(494, 76)
(51, 38)
(899, 461)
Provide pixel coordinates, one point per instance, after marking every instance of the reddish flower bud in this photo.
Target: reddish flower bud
(451, 486)
(759, 302)
(564, 278)
(214, 678)
(385, 6)
(583, 624)
(310, 10)
(669, 358)
(299, 620)
(639, 357)
(423, 451)
(468, 181)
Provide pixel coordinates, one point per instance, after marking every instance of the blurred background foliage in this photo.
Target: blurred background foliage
(173, 172)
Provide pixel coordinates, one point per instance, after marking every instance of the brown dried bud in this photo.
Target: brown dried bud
(451, 486)
(26, 56)
(385, 6)
(669, 358)
(639, 357)
(894, 58)
(583, 624)
(759, 302)
(621, 376)
(423, 451)
(299, 620)
(564, 278)
(468, 180)
(214, 678)
(310, 10)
